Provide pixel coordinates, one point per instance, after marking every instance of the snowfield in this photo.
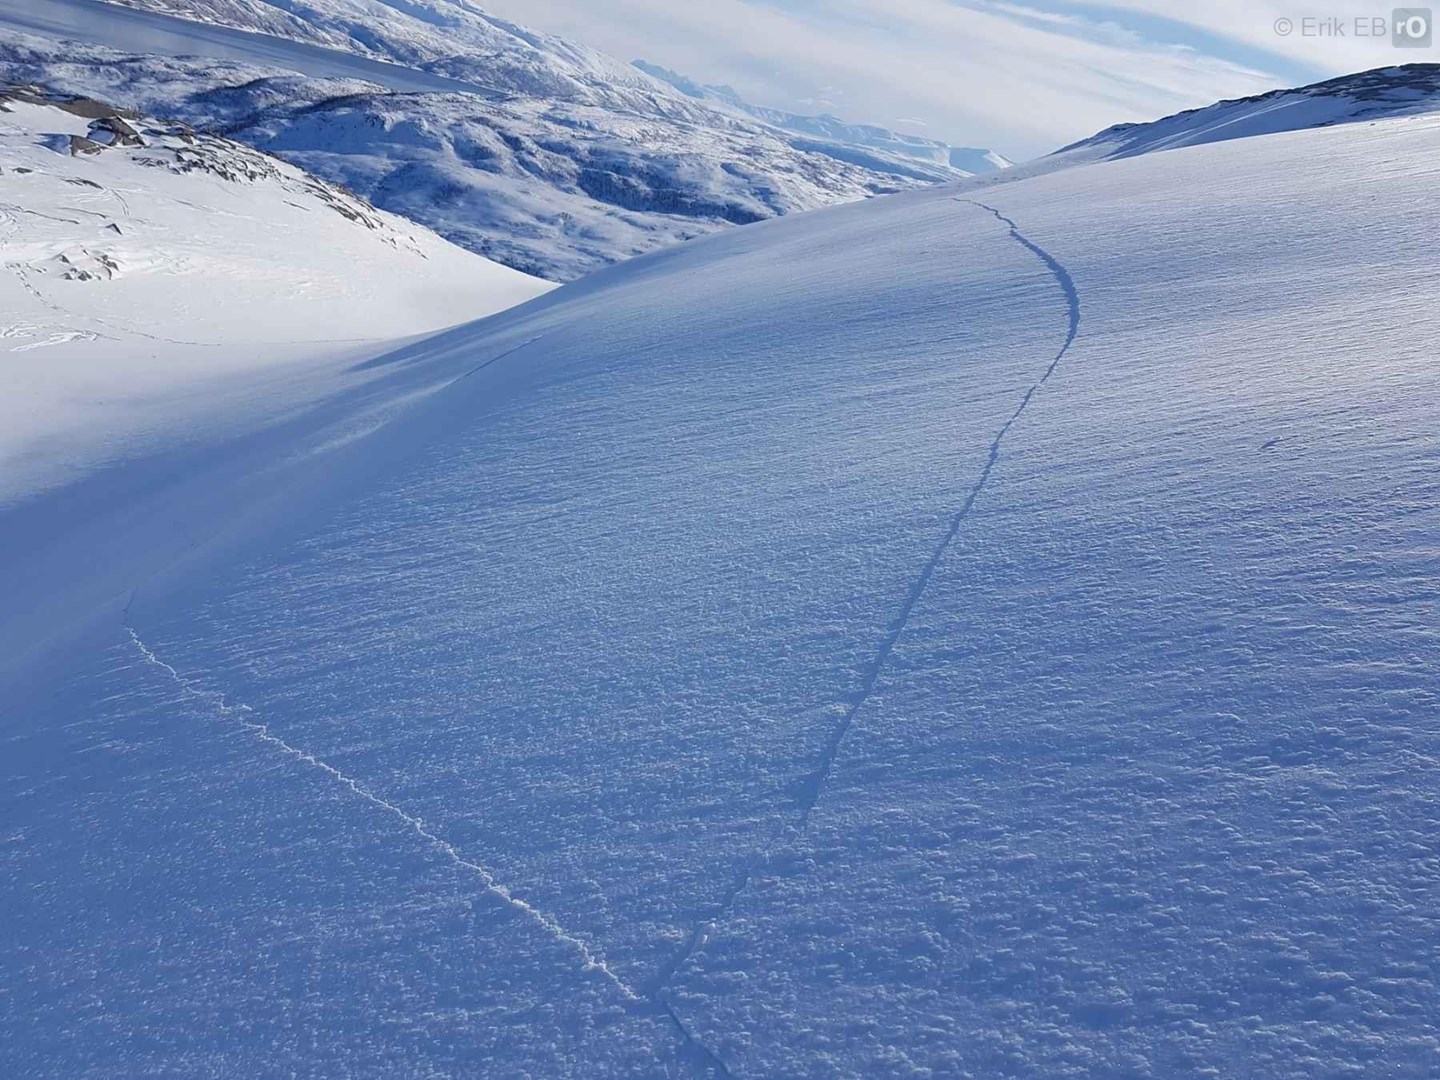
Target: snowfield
(159, 299)
(987, 631)
(148, 273)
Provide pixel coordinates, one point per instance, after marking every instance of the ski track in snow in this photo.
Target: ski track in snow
(698, 1052)
(240, 715)
(66, 313)
(56, 337)
(815, 787)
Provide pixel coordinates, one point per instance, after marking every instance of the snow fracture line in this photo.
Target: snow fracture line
(1067, 285)
(496, 359)
(240, 713)
(815, 785)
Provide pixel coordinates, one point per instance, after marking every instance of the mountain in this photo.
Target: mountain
(150, 269)
(447, 37)
(833, 130)
(986, 631)
(537, 153)
(1367, 95)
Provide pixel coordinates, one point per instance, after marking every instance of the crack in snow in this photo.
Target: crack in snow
(239, 714)
(1067, 285)
(497, 358)
(815, 785)
(703, 1056)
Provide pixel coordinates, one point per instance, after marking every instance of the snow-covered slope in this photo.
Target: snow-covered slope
(147, 268)
(561, 161)
(982, 632)
(1392, 91)
(450, 37)
(159, 34)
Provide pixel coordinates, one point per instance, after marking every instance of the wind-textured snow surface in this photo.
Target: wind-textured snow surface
(990, 631)
(163, 293)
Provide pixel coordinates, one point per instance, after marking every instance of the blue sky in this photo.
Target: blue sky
(1021, 77)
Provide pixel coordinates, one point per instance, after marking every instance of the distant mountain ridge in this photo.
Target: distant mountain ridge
(1387, 91)
(968, 159)
(561, 161)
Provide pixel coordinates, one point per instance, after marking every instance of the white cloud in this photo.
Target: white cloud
(1251, 23)
(1020, 78)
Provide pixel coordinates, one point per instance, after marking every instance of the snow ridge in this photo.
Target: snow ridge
(239, 714)
(815, 785)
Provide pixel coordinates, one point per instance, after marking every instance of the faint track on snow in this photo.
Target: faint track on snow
(698, 1054)
(22, 273)
(241, 716)
(815, 785)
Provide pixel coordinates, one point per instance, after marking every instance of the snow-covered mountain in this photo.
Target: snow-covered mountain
(987, 631)
(448, 37)
(149, 269)
(538, 153)
(1393, 91)
(838, 133)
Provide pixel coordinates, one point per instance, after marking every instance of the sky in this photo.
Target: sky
(1022, 78)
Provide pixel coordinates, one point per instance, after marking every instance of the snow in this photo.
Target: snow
(566, 162)
(157, 32)
(1367, 95)
(157, 301)
(985, 631)
(977, 161)
(134, 280)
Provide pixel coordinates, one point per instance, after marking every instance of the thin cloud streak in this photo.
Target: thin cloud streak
(1015, 77)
